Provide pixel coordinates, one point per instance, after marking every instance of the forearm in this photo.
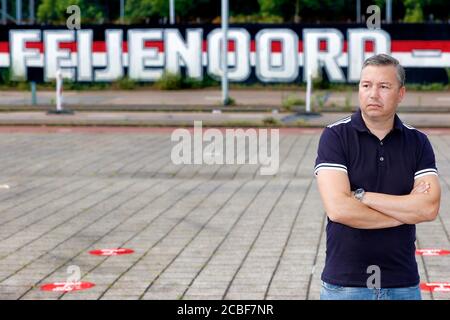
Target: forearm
(409, 209)
(355, 214)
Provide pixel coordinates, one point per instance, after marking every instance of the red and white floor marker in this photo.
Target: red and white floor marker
(432, 252)
(435, 286)
(67, 286)
(111, 252)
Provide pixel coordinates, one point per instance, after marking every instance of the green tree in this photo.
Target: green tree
(138, 10)
(306, 10)
(273, 7)
(414, 12)
(55, 11)
(141, 10)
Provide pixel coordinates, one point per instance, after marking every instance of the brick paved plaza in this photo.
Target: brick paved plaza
(198, 231)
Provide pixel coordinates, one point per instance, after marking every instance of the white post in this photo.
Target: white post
(33, 93)
(388, 11)
(59, 88)
(308, 92)
(4, 12)
(18, 11)
(172, 11)
(358, 11)
(122, 10)
(224, 19)
(32, 11)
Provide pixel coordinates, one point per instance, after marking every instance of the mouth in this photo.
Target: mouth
(374, 106)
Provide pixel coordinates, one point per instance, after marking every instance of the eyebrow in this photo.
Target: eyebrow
(382, 82)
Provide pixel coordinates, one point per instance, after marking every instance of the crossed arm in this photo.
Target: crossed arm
(378, 210)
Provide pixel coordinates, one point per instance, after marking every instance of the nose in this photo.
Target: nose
(374, 93)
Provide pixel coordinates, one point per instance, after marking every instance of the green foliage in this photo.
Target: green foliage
(126, 84)
(271, 121)
(229, 101)
(171, 81)
(319, 101)
(54, 11)
(414, 12)
(320, 83)
(291, 101)
(5, 76)
(256, 18)
(139, 10)
(348, 101)
(248, 11)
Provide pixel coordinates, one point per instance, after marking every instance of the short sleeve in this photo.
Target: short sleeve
(426, 164)
(330, 154)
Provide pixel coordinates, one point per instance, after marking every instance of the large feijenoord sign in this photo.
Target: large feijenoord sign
(268, 53)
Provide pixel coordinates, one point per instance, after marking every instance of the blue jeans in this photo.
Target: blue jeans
(334, 292)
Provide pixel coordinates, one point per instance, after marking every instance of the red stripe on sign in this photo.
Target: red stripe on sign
(35, 45)
(67, 286)
(99, 46)
(409, 45)
(436, 286)
(4, 46)
(111, 252)
(432, 252)
(369, 46)
(276, 46)
(231, 46)
(155, 44)
(72, 46)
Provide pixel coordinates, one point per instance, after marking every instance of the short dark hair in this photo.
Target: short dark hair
(387, 60)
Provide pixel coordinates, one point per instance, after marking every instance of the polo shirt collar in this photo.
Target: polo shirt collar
(359, 124)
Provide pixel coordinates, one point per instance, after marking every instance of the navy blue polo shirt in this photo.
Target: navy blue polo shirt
(388, 166)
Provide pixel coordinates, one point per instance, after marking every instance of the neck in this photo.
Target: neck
(381, 125)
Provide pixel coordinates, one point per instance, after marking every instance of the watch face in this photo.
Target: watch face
(359, 193)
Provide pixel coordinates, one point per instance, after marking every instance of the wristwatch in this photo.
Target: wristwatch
(359, 194)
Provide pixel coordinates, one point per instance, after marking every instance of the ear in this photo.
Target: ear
(401, 94)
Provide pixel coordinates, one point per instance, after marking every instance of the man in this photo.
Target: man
(377, 178)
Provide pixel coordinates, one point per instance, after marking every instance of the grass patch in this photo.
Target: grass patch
(271, 121)
(170, 81)
(292, 101)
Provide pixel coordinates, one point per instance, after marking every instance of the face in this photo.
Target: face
(379, 92)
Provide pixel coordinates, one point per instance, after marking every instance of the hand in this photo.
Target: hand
(422, 187)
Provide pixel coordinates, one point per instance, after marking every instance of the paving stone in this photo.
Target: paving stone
(198, 231)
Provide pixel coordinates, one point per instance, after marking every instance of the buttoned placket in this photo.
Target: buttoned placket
(381, 153)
